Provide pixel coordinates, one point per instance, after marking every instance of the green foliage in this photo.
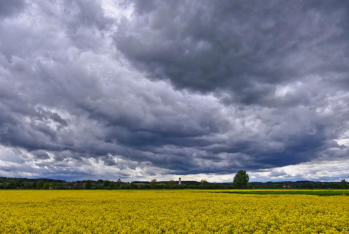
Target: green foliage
(241, 179)
(204, 184)
(88, 184)
(23, 183)
(171, 184)
(153, 183)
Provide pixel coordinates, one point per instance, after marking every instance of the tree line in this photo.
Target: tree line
(241, 181)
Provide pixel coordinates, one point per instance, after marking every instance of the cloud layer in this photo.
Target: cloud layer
(142, 89)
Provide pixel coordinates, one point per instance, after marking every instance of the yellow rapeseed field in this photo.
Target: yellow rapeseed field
(170, 211)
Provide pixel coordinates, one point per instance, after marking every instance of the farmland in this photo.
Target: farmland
(174, 211)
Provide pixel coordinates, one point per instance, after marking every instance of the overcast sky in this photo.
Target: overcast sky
(155, 89)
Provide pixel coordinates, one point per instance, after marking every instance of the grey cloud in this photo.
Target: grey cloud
(8, 8)
(40, 154)
(243, 48)
(86, 13)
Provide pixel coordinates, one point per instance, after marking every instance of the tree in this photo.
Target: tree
(107, 184)
(153, 183)
(344, 184)
(203, 183)
(88, 184)
(171, 184)
(119, 183)
(241, 179)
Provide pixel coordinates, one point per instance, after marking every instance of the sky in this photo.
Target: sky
(142, 90)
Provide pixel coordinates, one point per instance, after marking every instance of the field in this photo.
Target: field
(173, 211)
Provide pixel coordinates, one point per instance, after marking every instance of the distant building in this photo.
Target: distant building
(179, 180)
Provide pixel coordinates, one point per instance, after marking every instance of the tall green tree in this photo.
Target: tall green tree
(153, 183)
(241, 179)
(203, 183)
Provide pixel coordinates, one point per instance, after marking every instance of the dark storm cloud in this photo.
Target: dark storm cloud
(243, 47)
(173, 88)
